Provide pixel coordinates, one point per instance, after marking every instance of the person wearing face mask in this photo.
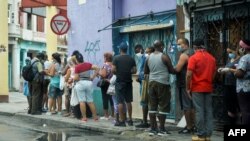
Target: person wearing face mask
(139, 55)
(181, 69)
(143, 89)
(242, 74)
(230, 95)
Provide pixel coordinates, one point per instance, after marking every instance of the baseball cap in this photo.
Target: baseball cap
(123, 45)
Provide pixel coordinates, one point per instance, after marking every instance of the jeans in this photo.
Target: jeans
(203, 113)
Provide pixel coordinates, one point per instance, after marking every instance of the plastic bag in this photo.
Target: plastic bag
(74, 98)
(61, 85)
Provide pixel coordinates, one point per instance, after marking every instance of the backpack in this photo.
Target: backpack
(28, 73)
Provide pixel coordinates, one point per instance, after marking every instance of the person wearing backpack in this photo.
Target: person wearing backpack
(26, 83)
(36, 84)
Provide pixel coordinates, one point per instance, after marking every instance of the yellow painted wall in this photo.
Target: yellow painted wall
(4, 41)
(51, 37)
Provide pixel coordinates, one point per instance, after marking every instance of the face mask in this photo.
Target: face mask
(231, 55)
(179, 48)
(138, 54)
(146, 55)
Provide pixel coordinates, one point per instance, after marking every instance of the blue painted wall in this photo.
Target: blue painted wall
(86, 19)
(141, 7)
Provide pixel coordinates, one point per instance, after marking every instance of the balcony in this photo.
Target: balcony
(30, 35)
(14, 30)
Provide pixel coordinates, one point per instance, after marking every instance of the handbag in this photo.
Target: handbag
(74, 98)
(111, 90)
(102, 82)
(61, 85)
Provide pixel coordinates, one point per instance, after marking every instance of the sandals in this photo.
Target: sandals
(84, 120)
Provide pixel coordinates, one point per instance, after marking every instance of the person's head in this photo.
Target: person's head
(158, 45)
(56, 57)
(245, 46)
(123, 47)
(27, 61)
(78, 56)
(108, 56)
(139, 49)
(149, 50)
(45, 57)
(40, 56)
(232, 53)
(182, 44)
(72, 61)
(198, 44)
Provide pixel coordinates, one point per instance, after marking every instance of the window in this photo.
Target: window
(9, 13)
(29, 21)
(40, 24)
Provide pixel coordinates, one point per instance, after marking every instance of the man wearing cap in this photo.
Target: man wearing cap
(124, 66)
(199, 84)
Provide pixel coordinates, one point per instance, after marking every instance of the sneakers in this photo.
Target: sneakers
(198, 138)
(120, 124)
(143, 125)
(152, 132)
(163, 132)
(185, 131)
(130, 123)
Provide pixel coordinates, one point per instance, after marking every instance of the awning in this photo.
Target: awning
(140, 24)
(145, 27)
(37, 7)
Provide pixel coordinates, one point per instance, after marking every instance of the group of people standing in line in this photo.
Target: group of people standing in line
(195, 70)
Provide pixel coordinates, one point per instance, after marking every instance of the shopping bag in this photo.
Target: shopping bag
(74, 98)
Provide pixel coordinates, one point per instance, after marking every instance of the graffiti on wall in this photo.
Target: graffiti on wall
(92, 52)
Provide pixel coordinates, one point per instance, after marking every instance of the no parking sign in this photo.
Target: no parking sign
(60, 24)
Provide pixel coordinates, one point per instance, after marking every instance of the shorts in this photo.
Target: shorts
(159, 97)
(54, 92)
(124, 92)
(144, 96)
(185, 101)
(84, 90)
(45, 85)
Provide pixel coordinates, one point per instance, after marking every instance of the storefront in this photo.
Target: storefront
(221, 25)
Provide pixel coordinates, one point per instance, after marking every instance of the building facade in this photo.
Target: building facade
(135, 22)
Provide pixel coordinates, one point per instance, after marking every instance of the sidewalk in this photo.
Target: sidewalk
(17, 106)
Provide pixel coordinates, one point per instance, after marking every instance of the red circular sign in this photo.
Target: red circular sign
(60, 24)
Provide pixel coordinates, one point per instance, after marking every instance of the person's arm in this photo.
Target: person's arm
(188, 82)
(67, 75)
(96, 69)
(239, 73)
(146, 68)
(167, 61)
(182, 61)
(76, 77)
(65, 69)
(113, 69)
(134, 70)
(51, 71)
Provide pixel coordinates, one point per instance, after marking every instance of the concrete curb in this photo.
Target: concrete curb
(44, 119)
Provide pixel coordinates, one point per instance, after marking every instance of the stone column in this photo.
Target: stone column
(16, 66)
